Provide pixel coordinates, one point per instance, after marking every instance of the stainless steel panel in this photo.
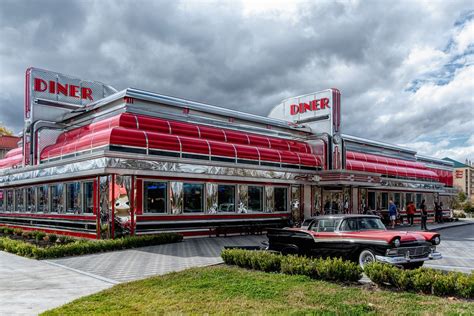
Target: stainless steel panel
(104, 206)
(243, 198)
(176, 197)
(269, 199)
(211, 198)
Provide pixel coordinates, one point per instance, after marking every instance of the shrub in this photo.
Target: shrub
(80, 247)
(39, 236)
(52, 238)
(17, 231)
(26, 234)
(8, 231)
(429, 281)
(325, 269)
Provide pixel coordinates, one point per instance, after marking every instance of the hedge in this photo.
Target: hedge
(428, 281)
(333, 269)
(82, 247)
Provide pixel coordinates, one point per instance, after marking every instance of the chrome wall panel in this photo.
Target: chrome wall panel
(243, 198)
(269, 199)
(211, 197)
(176, 197)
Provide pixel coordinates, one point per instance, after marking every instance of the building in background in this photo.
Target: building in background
(99, 163)
(463, 177)
(7, 143)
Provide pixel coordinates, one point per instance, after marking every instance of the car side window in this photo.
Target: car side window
(349, 225)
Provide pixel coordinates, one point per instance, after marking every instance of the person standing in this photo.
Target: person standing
(424, 215)
(411, 210)
(392, 213)
(438, 212)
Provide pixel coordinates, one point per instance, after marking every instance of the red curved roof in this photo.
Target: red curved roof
(143, 132)
(388, 166)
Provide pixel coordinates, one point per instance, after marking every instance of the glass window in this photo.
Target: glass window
(280, 196)
(20, 200)
(226, 198)
(419, 198)
(73, 198)
(255, 197)
(384, 200)
(325, 225)
(57, 198)
(371, 200)
(397, 200)
(88, 197)
(2, 200)
(193, 194)
(10, 201)
(349, 224)
(155, 197)
(409, 198)
(31, 199)
(370, 223)
(43, 199)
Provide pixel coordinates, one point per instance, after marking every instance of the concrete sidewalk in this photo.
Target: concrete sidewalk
(29, 287)
(435, 226)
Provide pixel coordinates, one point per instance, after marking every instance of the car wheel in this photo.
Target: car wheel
(413, 265)
(289, 251)
(365, 257)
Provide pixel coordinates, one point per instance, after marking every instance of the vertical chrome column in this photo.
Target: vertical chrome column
(211, 198)
(243, 201)
(176, 197)
(269, 199)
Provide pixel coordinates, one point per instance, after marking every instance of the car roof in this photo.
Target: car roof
(341, 216)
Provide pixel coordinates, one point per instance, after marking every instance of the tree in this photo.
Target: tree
(4, 131)
(462, 197)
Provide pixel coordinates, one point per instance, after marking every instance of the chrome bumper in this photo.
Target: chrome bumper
(400, 259)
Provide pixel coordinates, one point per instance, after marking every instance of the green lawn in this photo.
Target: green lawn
(231, 290)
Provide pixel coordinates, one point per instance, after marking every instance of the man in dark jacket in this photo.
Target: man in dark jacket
(424, 215)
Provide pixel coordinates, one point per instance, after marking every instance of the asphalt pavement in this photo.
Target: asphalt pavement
(457, 248)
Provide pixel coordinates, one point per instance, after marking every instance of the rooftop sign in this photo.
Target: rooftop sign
(64, 93)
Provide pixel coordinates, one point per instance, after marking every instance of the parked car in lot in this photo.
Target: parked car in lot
(362, 238)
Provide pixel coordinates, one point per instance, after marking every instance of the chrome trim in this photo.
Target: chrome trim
(376, 143)
(401, 260)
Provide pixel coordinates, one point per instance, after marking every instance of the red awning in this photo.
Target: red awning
(388, 166)
(147, 133)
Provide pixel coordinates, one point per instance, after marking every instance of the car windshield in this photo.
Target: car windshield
(370, 223)
(325, 225)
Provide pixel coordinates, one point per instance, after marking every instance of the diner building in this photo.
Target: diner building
(99, 163)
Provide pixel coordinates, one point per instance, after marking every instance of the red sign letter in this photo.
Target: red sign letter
(86, 93)
(294, 109)
(73, 91)
(325, 103)
(40, 85)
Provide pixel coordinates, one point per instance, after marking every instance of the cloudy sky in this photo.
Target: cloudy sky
(405, 68)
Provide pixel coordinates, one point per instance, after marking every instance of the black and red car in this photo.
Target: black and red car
(362, 238)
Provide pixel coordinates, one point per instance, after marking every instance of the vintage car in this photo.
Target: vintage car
(362, 238)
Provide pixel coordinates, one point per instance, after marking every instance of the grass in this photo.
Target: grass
(228, 290)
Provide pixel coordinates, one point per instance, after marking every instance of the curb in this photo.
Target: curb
(451, 226)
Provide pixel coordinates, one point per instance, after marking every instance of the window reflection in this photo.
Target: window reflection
(255, 198)
(155, 197)
(88, 197)
(281, 196)
(43, 199)
(73, 200)
(226, 198)
(193, 197)
(57, 198)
